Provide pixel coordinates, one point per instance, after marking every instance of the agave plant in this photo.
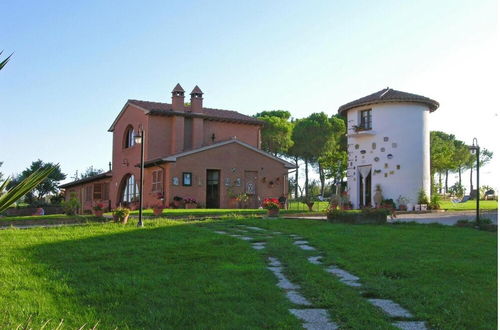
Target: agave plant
(2, 64)
(12, 195)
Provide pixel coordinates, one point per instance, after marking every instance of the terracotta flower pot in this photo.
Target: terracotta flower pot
(157, 211)
(273, 213)
(98, 213)
(124, 219)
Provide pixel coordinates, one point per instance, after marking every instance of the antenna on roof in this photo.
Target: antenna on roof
(385, 92)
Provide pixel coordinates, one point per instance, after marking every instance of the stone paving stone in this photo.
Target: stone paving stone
(297, 298)
(255, 228)
(245, 238)
(283, 282)
(351, 283)
(220, 232)
(259, 245)
(274, 262)
(300, 242)
(307, 247)
(344, 275)
(390, 307)
(314, 318)
(295, 236)
(410, 325)
(315, 260)
(277, 233)
(320, 326)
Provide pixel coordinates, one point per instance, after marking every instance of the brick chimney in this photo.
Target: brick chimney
(197, 100)
(178, 98)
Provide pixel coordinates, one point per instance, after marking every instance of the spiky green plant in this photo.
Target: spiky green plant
(12, 195)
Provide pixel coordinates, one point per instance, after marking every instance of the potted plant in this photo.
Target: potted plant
(242, 199)
(403, 203)
(423, 200)
(190, 203)
(120, 214)
(177, 202)
(345, 204)
(99, 210)
(158, 208)
(335, 201)
(272, 205)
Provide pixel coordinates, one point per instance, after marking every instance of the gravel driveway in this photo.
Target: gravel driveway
(446, 218)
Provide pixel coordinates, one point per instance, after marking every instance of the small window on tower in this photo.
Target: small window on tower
(366, 119)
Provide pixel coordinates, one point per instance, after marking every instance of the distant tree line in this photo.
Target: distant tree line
(450, 155)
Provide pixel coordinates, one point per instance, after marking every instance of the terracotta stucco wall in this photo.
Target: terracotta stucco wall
(126, 159)
(225, 131)
(79, 190)
(232, 160)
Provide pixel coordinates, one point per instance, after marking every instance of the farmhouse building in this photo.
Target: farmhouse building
(191, 151)
(388, 146)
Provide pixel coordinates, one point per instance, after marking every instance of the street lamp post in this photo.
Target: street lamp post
(474, 149)
(139, 139)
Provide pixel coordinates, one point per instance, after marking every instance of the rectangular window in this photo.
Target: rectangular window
(157, 181)
(98, 191)
(186, 178)
(88, 193)
(366, 119)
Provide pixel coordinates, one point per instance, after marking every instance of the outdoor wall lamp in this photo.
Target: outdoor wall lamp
(139, 139)
(474, 149)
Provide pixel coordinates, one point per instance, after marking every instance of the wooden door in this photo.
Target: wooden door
(251, 178)
(213, 189)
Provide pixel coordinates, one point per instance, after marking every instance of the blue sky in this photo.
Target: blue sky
(76, 63)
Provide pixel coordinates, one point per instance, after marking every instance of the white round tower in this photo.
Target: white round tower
(388, 145)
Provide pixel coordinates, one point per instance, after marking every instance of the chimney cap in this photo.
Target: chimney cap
(178, 88)
(196, 90)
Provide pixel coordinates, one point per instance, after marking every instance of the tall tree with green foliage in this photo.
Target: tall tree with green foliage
(461, 158)
(283, 114)
(276, 135)
(485, 157)
(91, 171)
(442, 149)
(313, 136)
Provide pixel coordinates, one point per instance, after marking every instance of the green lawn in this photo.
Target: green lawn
(469, 205)
(41, 217)
(177, 274)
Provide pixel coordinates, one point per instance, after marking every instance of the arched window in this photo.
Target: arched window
(130, 190)
(129, 137)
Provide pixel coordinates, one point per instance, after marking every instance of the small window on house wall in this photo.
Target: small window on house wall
(187, 178)
(129, 137)
(97, 191)
(157, 181)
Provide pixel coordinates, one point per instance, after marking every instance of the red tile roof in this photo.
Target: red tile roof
(389, 95)
(165, 109)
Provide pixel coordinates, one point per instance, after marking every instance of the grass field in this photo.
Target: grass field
(174, 274)
(469, 205)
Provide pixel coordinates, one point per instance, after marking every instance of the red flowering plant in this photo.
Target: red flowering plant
(189, 200)
(271, 204)
(99, 207)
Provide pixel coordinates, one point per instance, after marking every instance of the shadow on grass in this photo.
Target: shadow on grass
(174, 276)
